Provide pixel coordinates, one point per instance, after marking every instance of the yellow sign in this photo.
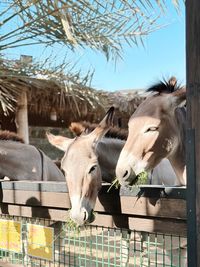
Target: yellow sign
(10, 235)
(40, 241)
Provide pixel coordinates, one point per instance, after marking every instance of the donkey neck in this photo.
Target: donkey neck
(108, 151)
(177, 158)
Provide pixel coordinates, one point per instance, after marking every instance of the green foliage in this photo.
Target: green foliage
(71, 224)
(142, 178)
(103, 26)
(115, 183)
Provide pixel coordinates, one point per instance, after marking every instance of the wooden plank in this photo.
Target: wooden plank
(120, 221)
(36, 198)
(168, 208)
(178, 228)
(166, 215)
(142, 224)
(33, 212)
(61, 187)
(109, 203)
(155, 191)
(193, 125)
(34, 186)
(152, 225)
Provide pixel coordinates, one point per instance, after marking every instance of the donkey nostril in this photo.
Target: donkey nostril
(126, 172)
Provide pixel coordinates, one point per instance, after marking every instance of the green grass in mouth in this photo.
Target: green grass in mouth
(142, 178)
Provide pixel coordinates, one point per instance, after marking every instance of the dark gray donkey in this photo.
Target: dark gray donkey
(19, 161)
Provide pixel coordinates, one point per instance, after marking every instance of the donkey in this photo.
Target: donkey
(91, 158)
(162, 174)
(81, 168)
(20, 161)
(156, 131)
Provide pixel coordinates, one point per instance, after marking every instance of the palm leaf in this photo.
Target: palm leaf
(101, 25)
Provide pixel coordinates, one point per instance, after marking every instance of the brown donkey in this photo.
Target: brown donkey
(91, 158)
(82, 170)
(156, 131)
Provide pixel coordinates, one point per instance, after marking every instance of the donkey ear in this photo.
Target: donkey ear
(179, 97)
(58, 141)
(103, 126)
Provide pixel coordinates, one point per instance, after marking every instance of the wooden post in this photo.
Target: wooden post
(193, 129)
(21, 118)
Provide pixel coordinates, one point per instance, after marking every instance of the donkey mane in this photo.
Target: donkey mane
(164, 86)
(79, 128)
(7, 135)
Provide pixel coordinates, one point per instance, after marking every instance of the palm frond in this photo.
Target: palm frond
(101, 25)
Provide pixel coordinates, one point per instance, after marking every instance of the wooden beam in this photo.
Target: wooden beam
(151, 214)
(109, 203)
(146, 209)
(148, 224)
(21, 118)
(193, 129)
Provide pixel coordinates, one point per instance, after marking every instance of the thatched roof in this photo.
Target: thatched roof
(63, 90)
(68, 95)
(126, 100)
(125, 103)
(47, 95)
(79, 104)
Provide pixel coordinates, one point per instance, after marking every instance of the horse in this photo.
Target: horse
(156, 131)
(21, 161)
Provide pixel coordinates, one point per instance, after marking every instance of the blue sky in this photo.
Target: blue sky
(162, 56)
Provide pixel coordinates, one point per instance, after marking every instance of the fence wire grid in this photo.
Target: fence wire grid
(94, 246)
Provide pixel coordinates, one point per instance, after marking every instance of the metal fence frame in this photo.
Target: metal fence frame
(148, 212)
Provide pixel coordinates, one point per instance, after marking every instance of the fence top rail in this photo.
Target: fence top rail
(61, 187)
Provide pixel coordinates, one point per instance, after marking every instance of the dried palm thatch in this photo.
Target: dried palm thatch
(45, 96)
(82, 103)
(125, 103)
(126, 100)
(47, 90)
(69, 96)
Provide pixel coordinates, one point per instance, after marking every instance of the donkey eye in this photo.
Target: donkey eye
(92, 168)
(151, 129)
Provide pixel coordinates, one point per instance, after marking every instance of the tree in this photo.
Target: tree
(102, 25)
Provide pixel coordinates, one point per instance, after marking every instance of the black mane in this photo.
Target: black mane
(164, 86)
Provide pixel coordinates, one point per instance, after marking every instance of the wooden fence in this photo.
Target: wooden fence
(152, 209)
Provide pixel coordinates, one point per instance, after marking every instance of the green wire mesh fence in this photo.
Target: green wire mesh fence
(44, 243)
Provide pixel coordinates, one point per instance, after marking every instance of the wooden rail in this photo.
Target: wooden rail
(152, 209)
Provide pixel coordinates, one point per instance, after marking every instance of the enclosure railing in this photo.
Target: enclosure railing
(142, 227)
